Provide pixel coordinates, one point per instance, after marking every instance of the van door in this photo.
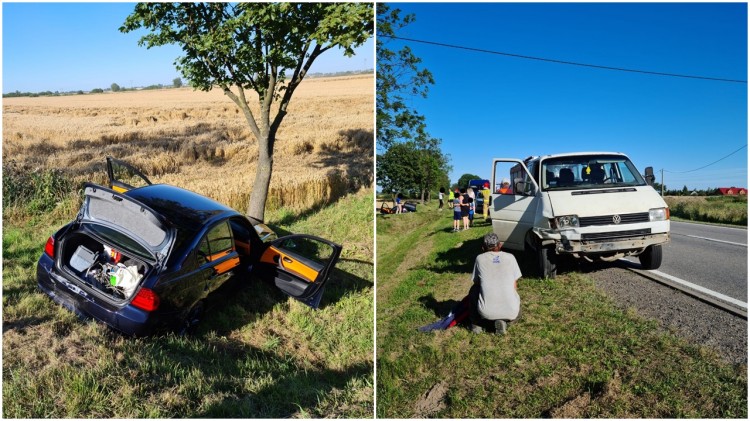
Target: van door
(514, 201)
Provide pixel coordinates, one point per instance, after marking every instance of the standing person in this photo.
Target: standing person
(399, 205)
(440, 197)
(494, 295)
(456, 210)
(464, 208)
(487, 200)
(472, 208)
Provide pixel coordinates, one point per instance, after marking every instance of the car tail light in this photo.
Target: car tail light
(146, 299)
(49, 248)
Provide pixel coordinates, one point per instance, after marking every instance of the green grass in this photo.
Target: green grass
(573, 354)
(731, 210)
(256, 354)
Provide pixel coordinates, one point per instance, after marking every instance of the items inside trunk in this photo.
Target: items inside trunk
(103, 267)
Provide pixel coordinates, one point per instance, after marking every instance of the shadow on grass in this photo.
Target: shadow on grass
(227, 366)
(459, 259)
(440, 308)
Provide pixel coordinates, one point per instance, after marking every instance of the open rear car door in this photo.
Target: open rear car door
(123, 176)
(300, 265)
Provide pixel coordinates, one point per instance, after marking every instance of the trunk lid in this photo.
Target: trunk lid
(124, 214)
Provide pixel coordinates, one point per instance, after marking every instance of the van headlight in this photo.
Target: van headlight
(658, 214)
(567, 221)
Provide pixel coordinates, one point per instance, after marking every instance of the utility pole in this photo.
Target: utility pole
(662, 182)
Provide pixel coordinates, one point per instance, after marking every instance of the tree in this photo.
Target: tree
(251, 46)
(177, 82)
(399, 77)
(463, 181)
(115, 87)
(413, 167)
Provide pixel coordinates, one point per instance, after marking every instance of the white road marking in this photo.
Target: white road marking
(701, 289)
(711, 239)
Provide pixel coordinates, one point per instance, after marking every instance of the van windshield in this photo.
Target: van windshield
(589, 172)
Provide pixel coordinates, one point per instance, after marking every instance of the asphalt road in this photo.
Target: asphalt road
(713, 257)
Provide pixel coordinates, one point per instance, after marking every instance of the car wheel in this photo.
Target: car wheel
(546, 262)
(651, 257)
(195, 315)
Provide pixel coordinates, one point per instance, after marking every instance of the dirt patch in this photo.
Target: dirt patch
(432, 401)
(574, 408)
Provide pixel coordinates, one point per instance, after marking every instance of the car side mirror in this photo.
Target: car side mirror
(650, 176)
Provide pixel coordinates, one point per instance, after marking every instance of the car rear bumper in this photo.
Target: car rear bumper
(127, 319)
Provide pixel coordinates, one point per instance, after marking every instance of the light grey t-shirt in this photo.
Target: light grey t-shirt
(496, 273)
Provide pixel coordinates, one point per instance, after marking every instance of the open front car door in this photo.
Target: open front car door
(123, 176)
(300, 265)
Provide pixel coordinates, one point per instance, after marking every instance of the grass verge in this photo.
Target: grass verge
(572, 355)
(731, 210)
(257, 353)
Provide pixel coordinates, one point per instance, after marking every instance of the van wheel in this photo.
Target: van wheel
(651, 258)
(190, 325)
(546, 262)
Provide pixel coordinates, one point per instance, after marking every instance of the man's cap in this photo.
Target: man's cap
(491, 240)
(505, 180)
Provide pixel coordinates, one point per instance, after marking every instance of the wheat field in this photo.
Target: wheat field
(201, 141)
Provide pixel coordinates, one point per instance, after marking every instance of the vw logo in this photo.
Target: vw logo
(616, 219)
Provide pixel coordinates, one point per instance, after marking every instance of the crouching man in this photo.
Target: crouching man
(494, 296)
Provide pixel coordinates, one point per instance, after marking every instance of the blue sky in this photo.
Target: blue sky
(72, 46)
(485, 105)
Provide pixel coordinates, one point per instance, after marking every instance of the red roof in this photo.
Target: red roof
(733, 191)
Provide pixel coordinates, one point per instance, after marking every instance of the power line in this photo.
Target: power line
(572, 63)
(708, 165)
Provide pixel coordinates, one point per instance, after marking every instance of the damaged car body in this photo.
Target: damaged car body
(145, 259)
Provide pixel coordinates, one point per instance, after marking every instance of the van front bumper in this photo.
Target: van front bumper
(602, 241)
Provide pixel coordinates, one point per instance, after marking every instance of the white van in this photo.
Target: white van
(589, 205)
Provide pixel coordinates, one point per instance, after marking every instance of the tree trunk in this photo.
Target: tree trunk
(256, 207)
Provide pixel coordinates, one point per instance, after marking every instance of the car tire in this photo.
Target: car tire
(546, 262)
(651, 257)
(193, 319)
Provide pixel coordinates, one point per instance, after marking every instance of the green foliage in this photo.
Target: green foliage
(412, 167)
(399, 77)
(717, 209)
(115, 87)
(97, 91)
(35, 190)
(177, 82)
(463, 181)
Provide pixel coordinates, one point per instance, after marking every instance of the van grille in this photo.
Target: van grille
(617, 235)
(626, 218)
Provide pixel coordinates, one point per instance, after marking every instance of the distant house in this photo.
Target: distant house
(733, 191)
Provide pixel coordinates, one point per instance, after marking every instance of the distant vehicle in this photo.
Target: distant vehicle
(478, 185)
(145, 259)
(593, 206)
(408, 207)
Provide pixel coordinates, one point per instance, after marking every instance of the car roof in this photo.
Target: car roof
(184, 209)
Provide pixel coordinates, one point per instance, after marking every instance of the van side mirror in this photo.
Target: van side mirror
(650, 176)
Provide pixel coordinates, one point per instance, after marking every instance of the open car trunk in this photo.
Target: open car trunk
(107, 269)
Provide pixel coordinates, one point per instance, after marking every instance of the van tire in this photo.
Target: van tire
(651, 257)
(546, 262)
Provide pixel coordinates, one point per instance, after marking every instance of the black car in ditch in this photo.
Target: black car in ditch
(144, 259)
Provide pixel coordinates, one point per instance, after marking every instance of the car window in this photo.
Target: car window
(215, 244)
(220, 238)
(308, 249)
(203, 252)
